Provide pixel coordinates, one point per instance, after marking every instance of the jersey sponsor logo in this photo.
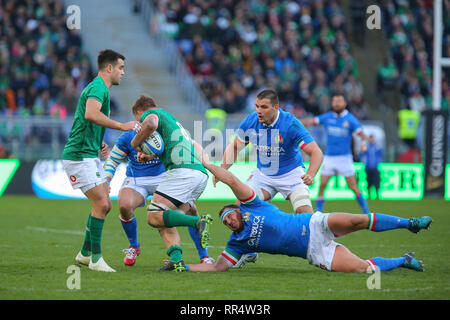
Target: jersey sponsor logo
(337, 131)
(255, 234)
(73, 178)
(273, 150)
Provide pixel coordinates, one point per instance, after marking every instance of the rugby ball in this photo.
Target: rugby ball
(154, 145)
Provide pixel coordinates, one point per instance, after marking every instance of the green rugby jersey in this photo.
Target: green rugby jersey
(178, 148)
(86, 137)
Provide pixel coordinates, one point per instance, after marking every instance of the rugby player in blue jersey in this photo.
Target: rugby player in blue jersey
(278, 137)
(340, 125)
(143, 175)
(259, 226)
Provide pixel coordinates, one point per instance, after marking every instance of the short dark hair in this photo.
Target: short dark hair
(270, 94)
(108, 56)
(228, 206)
(143, 103)
(338, 94)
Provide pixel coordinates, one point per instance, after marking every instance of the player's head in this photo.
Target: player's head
(338, 103)
(112, 64)
(142, 104)
(267, 105)
(231, 217)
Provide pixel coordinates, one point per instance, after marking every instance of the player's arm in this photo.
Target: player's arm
(240, 189)
(148, 126)
(220, 265)
(364, 138)
(309, 122)
(316, 158)
(116, 156)
(231, 153)
(93, 114)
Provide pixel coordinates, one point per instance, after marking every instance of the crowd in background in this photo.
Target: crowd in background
(236, 47)
(43, 66)
(409, 32)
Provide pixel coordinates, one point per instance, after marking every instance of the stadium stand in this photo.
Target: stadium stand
(409, 31)
(43, 65)
(236, 47)
(43, 69)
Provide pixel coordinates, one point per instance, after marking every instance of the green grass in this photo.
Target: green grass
(40, 238)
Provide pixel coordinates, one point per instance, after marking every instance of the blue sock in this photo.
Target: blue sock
(383, 222)
(384, 264)
(319, 204)
(202, 252)
(363, 204)
(130, 228)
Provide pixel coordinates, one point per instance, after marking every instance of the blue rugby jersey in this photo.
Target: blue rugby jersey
(339, 130)
(277, 145)
(270, 230)
(134, 168)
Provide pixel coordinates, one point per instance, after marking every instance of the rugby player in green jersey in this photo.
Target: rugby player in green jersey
(182, 183)
(81, 153)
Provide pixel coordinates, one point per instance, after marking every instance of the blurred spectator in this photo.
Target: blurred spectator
(408, 125)
(39, 57)
(371, 158)
(387, 76)
(409, 26)
(234, 47)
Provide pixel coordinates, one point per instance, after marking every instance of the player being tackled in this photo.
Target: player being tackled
(259, 226)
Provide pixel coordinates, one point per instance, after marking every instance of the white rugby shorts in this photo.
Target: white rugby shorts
(321, 245)
(84, 174)
(284, 184)
(145, 186)
(338, 165)
(183, 184)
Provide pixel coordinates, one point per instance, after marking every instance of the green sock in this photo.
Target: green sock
(174, 252)
(96, 227)
(173, 218)
(86, 249)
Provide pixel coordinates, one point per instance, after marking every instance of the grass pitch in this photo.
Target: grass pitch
(40, 238)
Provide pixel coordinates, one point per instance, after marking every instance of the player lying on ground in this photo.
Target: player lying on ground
(259, 226)
(144, 174)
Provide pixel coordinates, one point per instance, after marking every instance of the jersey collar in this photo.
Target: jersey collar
(274, 123)
(343, 114)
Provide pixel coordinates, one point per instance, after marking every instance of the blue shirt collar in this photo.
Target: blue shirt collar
(342, 114)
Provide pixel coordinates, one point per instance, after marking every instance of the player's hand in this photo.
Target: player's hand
(364, 147)
(130, 125)
(307, 179)
(143, 157)
(104, 151)
(135, 146)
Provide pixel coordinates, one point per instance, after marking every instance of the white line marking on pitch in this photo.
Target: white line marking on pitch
(72, 232)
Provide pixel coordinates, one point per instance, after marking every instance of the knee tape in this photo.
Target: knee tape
(257, 190)
(300, 198)
(156, 206)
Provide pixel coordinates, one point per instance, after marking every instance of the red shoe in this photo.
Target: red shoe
(131, 254)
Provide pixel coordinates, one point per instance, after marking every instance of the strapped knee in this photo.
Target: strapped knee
(156, 207)
(258, 190)
(300, 198)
